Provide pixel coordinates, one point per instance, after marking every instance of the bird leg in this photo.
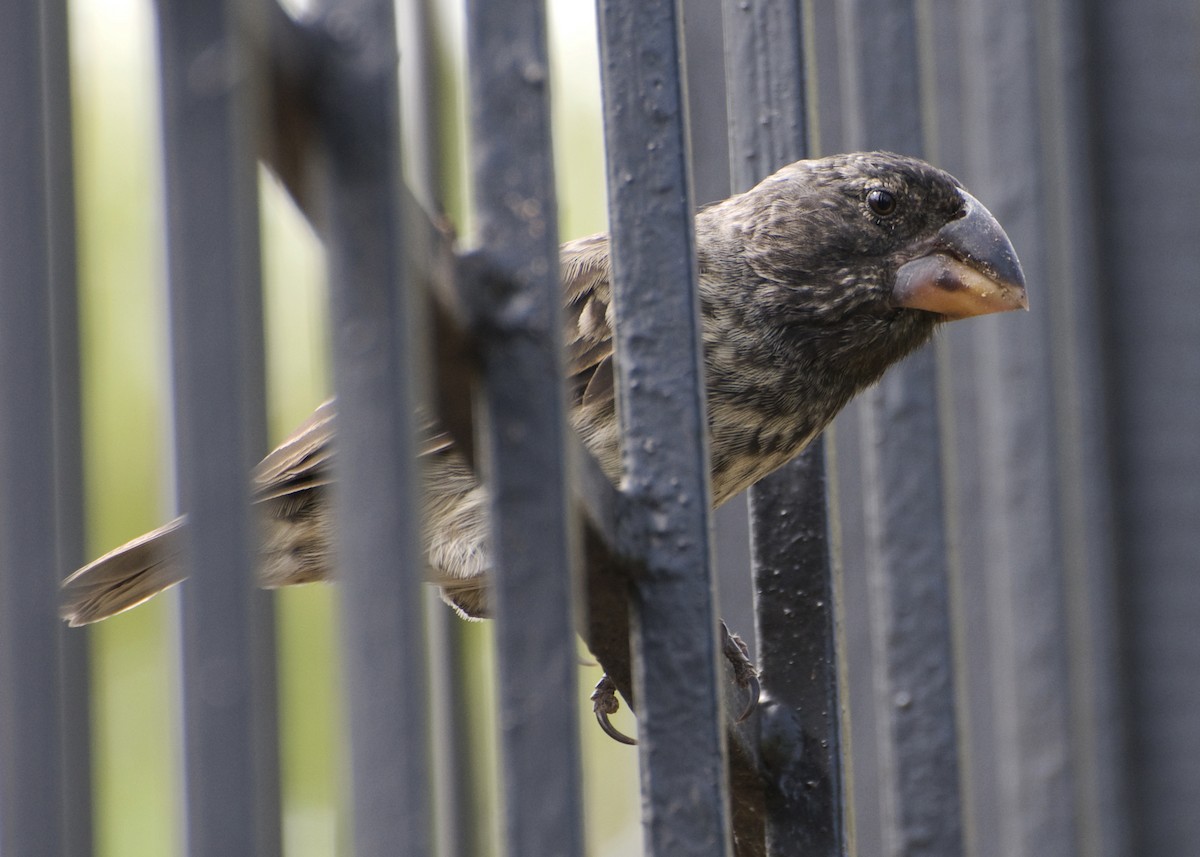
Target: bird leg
(738, 654)
(605, 702)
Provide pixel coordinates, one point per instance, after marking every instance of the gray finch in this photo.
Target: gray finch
(811, 285)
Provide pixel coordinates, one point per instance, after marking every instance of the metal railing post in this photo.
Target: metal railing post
(660, 401)
(517, 301)
(209, 91)
(32, 777)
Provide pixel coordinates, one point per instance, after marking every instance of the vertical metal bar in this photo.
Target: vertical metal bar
(31, 742)
(825, 77)
(664, 427)
(708, 129)
(1069, 207)
(378, 368)
(793, 569)
(1021, 529)
(795, 594)
(861, 767)
(940, 36)
(703, 32)
(459, 828)
(532, 539)
(764, 61)
(906, 550)
(216, 320)
(68, 442)
(1099, 724)
(1145, 127)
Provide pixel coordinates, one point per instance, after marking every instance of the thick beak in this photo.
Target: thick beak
(970, 269)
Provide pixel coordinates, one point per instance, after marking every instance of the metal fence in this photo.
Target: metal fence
(987, 647)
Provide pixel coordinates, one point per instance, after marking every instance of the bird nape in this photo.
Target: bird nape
(811, 284)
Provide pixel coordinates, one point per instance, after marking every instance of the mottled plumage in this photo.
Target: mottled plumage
(807, 295)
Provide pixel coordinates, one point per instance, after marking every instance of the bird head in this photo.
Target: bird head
(855, 259)
(878, 234)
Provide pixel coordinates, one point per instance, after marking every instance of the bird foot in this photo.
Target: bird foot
(604, 703)
(738, 654)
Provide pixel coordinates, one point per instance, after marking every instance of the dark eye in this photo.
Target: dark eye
(881, 201)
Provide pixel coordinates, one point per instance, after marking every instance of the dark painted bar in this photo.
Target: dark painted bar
(533, 535)
(379, 371)
(661, 407)
(1019, 541)
(216, 324)
(906, 558)
(31, 740)
(1140, 114)
(68, 454)
(793, 569)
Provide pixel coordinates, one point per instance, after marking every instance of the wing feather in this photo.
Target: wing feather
(303, 461)
(586, 276)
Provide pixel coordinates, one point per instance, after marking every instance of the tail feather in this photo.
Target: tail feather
(125, 577)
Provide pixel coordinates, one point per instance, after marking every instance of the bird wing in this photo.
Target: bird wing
(302, 461)
(125, 577)
(137, 570)
(586, 276)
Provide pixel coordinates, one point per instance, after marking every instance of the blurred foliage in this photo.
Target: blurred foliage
(127, 442)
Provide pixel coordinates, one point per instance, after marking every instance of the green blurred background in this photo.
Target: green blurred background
(127, 439)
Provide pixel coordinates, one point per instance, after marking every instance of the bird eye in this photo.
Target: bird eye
(881, 201)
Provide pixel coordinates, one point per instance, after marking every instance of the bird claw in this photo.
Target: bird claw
(604, 703)
(738, 654)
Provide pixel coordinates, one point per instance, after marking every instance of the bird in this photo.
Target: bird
(811, 284)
